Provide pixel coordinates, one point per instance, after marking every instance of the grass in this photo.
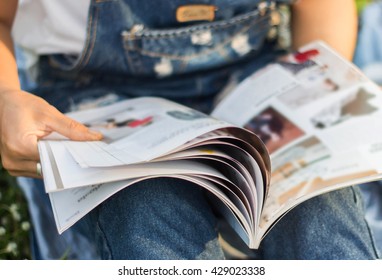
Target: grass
(14, 220)
(362, 4)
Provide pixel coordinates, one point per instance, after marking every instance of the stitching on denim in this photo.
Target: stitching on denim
(88, 32)
(188, 57)
(170, 33)
(130, 62)
(357, 200)
(86, 53)
(89, 47)
(105, 243)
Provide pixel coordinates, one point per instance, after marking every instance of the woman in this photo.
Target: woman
(181, 50)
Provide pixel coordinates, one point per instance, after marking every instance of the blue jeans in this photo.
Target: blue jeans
(145, 52)
(171, 219)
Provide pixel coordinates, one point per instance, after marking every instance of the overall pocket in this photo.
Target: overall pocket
(164, 52)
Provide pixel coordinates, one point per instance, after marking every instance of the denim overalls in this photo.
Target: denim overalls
(144, 48)
(136, 48)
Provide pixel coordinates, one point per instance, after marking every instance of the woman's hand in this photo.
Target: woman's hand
(26, 118)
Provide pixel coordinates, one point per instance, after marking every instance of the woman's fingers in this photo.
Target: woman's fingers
(71, 128)
(23, 168)
(25, 119)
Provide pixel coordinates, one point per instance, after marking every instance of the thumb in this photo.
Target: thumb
(72, 129)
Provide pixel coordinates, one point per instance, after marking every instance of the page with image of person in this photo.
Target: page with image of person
(319, 118)
(134, 131)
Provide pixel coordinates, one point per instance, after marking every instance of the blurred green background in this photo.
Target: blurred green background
(362, 3)
(14, 220)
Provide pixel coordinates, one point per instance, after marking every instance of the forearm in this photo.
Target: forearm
(332, 21)
(8, 67)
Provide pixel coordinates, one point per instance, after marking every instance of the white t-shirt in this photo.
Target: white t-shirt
(51, 26)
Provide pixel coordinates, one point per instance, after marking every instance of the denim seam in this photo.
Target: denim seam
(105, 244)
(173, 33)
(373, 243)
(86, 53)
(188, 57)
(89, 47)
(130, 63)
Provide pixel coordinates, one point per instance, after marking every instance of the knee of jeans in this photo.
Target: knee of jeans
(169, 216)
(167, 201)
(342, 198)
(159, 197)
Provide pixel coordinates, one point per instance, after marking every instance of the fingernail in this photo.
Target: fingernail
(96, 134)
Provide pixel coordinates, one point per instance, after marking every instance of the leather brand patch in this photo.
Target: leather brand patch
(195, 13)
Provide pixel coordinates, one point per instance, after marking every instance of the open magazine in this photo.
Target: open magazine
(305, 125)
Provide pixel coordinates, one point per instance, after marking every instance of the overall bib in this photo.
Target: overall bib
(139, 48)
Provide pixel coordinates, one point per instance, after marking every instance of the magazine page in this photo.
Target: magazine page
(138, 130)
(68, 174)
(205, 162)
(320, 121)
(239, 191)
(62, 172)
(72, 204)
